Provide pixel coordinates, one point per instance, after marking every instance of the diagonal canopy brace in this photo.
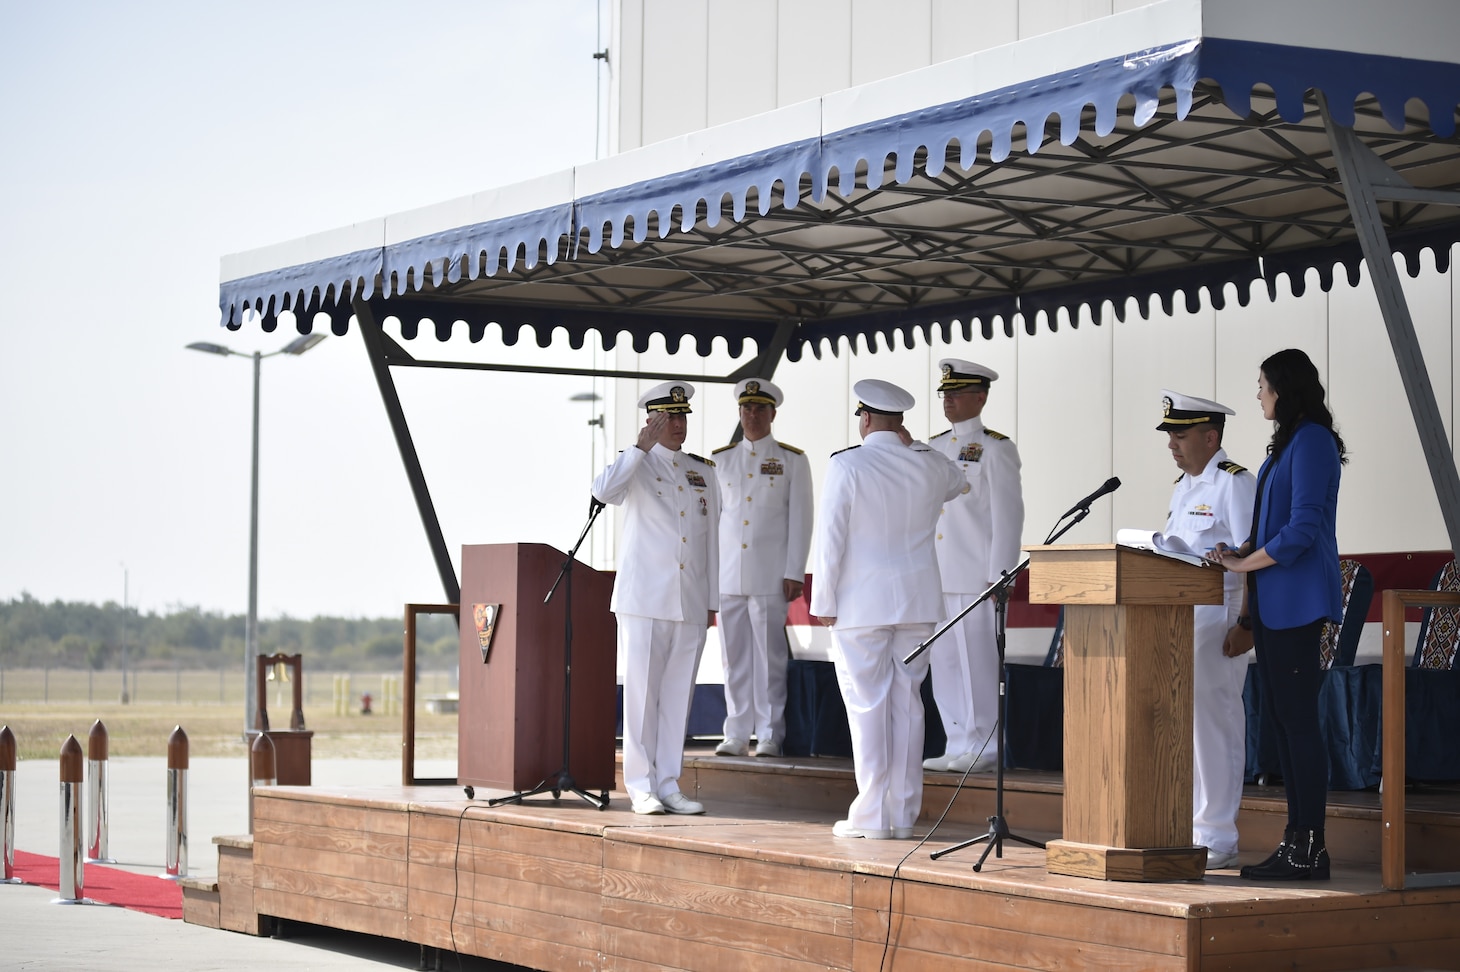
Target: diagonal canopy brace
(1365, 178)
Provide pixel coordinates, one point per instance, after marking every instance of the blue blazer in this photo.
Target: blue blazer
(1298, 526)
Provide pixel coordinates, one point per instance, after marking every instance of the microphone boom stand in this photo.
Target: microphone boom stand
(562, 781)
(998, 831)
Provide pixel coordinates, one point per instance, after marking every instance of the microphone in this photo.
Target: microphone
(1109, 486)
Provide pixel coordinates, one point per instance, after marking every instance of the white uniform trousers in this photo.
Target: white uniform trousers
(966, 678)
(661, 659)
(1219, 736)
(885, 713)
(753, 651)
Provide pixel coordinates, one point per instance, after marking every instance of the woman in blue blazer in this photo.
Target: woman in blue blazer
(1293, 586)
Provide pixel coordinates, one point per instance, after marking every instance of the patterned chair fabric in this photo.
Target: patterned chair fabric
(1341, 640)
(1439, 631)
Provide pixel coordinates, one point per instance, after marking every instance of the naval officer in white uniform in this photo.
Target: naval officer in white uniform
(765, 536)
(1210, 504)
(875, 583)
(666, 591)
(978, 538)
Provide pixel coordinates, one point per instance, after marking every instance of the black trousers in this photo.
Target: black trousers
(1287, 659)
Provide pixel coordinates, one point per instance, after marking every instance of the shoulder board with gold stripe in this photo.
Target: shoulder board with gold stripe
(716, 452)
(699, 458)
(1174, 482)
(1226, 465)
(941, 434)
(847, 449)
(994, 435)
(792, 449)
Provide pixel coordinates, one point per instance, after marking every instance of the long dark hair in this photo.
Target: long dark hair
(1300, 396)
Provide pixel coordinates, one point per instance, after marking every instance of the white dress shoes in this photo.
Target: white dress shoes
(648, 804)
(972, 763)
(844, 828)
(768, 748)
(902, 833)
(677, 802)
(936, 763)
(1219, 862)
(731, 746)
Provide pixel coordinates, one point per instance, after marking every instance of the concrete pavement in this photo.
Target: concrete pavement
(35, 934)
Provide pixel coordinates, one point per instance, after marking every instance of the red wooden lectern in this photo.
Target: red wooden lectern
(510, 721)
(1128, 757)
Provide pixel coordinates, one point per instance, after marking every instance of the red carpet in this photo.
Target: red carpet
(106, 885)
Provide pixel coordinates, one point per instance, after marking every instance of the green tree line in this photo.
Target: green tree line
(73, 634)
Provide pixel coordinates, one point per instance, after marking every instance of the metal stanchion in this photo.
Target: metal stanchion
(96, 759)
(262, 769)
(72, 864)
(7, 806)
(177, 805)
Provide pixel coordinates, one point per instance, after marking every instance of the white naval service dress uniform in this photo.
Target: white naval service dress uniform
(1216, 507)
(667, 584)
(978, 536)
(876, 573)
(765, 536)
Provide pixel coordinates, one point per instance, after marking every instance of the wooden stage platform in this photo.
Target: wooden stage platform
(759, 882)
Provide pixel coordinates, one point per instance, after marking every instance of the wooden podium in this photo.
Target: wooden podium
(510, 720)
(1128, 698)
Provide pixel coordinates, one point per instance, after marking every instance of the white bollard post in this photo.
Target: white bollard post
(96, 762)
(177, 805)
(7, 806)
(72, 865)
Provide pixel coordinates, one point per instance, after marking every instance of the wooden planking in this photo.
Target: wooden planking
(722, 865)
(645, 936)
(1369, 919)
(527, 952)
(200, 902)
(1128, 675)
(293, 810)
(330, 864)
(335, 839)
(236, 910)
(331, 912)
(968, 928)
(713, 893)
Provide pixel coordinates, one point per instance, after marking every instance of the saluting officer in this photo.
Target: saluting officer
(876, 585)
(1210, 504)
(666, 591)
(765, 536)
(978, 538)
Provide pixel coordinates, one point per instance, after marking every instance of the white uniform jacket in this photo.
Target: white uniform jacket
(668, 556)
(979, 532)
(874, 562)
(1214, 507)
(765, 522)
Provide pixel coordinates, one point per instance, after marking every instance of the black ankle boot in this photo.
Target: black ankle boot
(1305, 858)
(1251, 871)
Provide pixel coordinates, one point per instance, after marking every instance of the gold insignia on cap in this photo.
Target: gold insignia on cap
(947, 372)
(752, 387)
(1166, 405)
(676, 394)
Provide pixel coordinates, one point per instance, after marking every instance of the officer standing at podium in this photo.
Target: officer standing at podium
(666, 591)
(1211, 504)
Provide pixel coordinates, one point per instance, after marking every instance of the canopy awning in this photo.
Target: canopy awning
(1176, 148)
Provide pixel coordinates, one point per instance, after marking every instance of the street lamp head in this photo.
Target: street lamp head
(301, 344)
(210, 348)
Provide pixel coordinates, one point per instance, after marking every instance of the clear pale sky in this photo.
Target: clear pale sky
(141, 142)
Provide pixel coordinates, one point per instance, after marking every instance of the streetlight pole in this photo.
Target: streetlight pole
(296, 347)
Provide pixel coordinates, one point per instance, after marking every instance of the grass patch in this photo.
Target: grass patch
(142, 729)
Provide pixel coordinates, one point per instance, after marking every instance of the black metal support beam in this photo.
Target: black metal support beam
(1362, 172)
(376, 345)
